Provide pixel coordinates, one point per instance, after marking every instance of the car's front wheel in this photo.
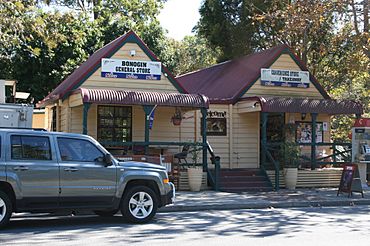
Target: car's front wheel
(139, 205)
(5, 209)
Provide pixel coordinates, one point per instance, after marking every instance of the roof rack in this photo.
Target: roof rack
(24, 128)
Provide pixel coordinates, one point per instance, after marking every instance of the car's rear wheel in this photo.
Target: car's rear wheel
(139, 205)
(106, 213)
(5, 209)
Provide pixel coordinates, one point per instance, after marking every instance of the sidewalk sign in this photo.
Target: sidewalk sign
(350, 180)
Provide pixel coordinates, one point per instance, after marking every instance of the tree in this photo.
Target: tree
(40, 49)
(190, 54)
(143, 10)
(228, 25)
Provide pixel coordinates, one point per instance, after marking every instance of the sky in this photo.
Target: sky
(179, 17)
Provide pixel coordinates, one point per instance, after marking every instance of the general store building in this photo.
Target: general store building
(236, 107)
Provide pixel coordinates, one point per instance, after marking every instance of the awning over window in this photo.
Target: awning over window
(304, 105)
(126, 97)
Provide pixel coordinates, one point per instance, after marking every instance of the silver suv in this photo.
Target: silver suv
(44, 171)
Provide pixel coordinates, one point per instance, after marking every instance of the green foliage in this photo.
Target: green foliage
(190, 54)
(289, 154)
(40, 49)
(228, 25)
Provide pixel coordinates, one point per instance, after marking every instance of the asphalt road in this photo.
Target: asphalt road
(303, 226)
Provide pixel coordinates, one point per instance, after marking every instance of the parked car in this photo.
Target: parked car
(43, 171)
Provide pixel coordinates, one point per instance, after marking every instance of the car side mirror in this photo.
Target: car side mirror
(107, 160)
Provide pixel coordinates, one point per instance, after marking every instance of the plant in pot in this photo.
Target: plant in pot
(177, 117)
(290, 160)
(195, 172)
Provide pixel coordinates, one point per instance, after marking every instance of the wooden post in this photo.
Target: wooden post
(313, 140)
(264, 116)
(84, 119)
(204, 138)
(148, 110)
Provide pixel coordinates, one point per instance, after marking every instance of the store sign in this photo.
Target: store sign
(286, 78)
(130, 69)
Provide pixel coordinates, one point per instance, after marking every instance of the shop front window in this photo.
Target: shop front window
(304, 132)
(114, 123)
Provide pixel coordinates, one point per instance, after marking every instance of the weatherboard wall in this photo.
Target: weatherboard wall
(285, 62)
(95, 81)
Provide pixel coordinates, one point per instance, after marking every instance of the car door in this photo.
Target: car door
(32, 167)
(85, 180)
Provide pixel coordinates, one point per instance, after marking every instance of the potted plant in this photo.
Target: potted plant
(177, 118)
(195, 172)
(290, 160)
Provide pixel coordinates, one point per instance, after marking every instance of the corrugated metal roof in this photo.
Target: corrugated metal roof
(305, 105)
(228, 81)
(125, 97)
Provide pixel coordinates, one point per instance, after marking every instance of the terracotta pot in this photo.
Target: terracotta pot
(176, 121)
(195, 175)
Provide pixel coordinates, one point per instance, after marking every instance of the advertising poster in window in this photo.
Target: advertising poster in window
(304, 132)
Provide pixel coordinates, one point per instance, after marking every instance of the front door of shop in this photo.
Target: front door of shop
(275, 135)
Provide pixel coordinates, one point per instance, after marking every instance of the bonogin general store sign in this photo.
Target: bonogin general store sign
(130, 69)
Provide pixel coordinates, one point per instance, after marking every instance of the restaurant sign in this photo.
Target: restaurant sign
(286, 78)
(130, 69)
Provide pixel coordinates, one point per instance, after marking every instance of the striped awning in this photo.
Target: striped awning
(305, 105)
(125, 97)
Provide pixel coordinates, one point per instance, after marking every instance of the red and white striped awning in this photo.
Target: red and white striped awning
(125, 97)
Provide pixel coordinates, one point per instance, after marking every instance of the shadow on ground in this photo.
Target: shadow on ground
(205, 224)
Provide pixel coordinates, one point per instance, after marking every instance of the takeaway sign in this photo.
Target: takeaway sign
(285, 78)
(130, 69)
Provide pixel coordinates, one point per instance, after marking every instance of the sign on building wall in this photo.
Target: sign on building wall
(130, 69)
(216, 123)
(286, 78)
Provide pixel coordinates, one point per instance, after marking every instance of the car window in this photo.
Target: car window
(30, 148)
(72, 149)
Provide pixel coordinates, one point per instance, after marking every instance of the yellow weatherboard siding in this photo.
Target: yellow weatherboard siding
(245, 140)
(287, 63)
(95, 81)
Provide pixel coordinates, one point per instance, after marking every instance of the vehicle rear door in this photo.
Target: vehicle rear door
(2, 159)
(85, 180)
(33, 168)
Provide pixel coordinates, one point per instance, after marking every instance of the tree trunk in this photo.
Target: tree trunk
(366, 16)
(354, 12)
(96, 13)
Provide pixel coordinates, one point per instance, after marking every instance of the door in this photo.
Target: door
(84, 179)
(32, 167)
(275, 136)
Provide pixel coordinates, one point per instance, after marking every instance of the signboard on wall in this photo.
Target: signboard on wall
(285, 78)
(216, 123)
(130, 69)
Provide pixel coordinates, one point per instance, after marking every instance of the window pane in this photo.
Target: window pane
(30, 148)
(114, 123)
(78, 150)
(16, 147)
